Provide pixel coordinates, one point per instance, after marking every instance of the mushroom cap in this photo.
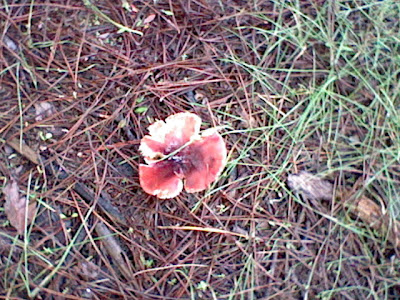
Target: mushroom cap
(177, 155)
(168, 135)
(159, 180)
(208, 155)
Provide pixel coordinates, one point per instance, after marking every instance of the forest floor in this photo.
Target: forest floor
(306, 95)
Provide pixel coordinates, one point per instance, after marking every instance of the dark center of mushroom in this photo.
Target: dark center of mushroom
(179, 164)
(186, 161)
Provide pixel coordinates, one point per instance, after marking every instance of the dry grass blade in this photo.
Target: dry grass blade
(205, 229)
(100, 14)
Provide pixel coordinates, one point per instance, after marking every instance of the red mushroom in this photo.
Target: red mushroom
(178, 156)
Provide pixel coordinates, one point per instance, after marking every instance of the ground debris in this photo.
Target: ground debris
(17, 209)
(367, 210)
(285, 97)
(87, 194)
(149, 19)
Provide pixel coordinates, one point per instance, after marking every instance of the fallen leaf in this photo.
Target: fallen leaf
(378, 219)
(149, 19)
(310, 186)
(367, 210)
(240, 230)
(370, 212)
(16, 208)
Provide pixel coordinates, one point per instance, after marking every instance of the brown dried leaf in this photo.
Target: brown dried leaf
(374, 216)
(15, 207)
(369, 212)
(24, 150)
(310, 186)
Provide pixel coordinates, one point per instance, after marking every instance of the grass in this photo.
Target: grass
(293, 85)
